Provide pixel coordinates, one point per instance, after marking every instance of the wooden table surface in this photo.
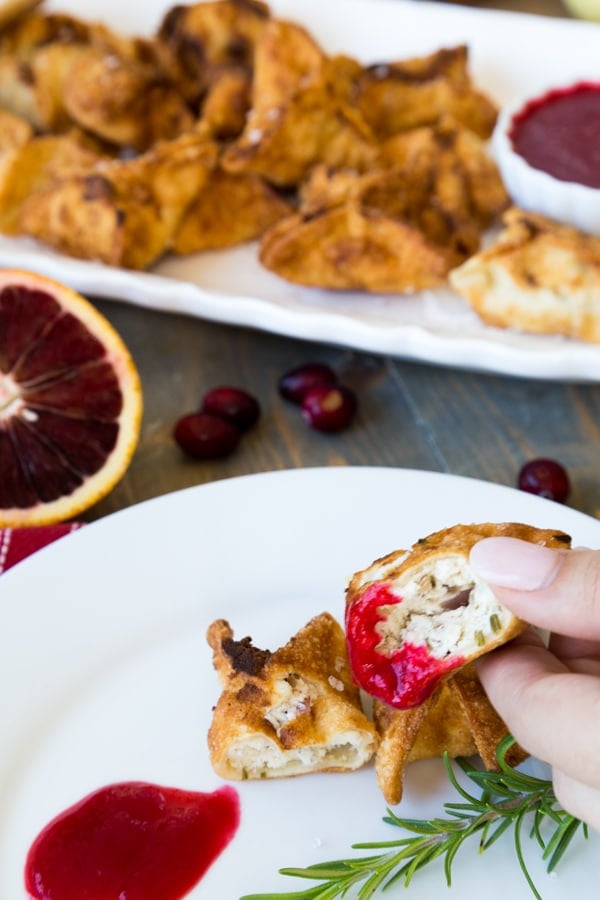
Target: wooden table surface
(410, 415)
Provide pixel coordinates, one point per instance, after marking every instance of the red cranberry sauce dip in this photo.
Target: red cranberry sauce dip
(559, 133)
(402, 679)
(131, 841)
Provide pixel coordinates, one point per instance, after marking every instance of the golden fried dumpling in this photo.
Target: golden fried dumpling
(121, 212)
(464, 180)
(123, 101)
(14, 131)
(34, 166)
(398, 96)
(298, 116)
(197, 42)
(289, 712)
(228, 210)
(382, 232)
(349, 248)
(415, 618)
(457, 719)
(226, 105)
(538, 276)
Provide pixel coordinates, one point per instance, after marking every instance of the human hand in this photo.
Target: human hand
(549, 697)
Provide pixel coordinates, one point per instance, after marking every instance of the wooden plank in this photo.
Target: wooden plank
(410, 415)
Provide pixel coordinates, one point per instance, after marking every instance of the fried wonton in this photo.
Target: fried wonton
(35, 166)
(123, 213)
(42, 57)
(289, 712)
(297, 117)
(464, 179)
(538, 276)
(397, 96)
(349, 248)
(122, 101)
(457, 719)
(433, 613)
(383, 232)
(200, 41)
(397, 228)
(284, 143)
(229, 210)
(280, 109)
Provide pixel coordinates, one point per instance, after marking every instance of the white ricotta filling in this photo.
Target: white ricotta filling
(258, 757)
(444, 608)
(294, 696)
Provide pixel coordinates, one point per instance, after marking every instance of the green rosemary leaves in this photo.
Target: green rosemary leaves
(507, 800)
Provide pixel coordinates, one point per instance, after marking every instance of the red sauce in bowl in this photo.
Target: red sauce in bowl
(559, 133)
(131, 841)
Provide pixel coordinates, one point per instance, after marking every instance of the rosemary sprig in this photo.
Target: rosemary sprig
(508, 798)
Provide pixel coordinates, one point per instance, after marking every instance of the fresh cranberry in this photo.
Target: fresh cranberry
(328, 407)
(546, 478)
(232, 403)
(295, 383)
(206, 436)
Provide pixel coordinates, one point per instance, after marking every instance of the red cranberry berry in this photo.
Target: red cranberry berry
(232, 403)
(295, 383)
(546, 478)
(203, 435)
(329, 407)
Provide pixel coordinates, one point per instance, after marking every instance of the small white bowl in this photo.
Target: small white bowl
(535, 190)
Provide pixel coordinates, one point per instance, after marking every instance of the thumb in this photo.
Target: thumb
(558, 590)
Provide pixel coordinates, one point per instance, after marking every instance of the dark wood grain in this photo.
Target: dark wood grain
(411, 415)
(537, 7)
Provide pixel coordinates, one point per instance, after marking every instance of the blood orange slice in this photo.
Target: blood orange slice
(70, 402)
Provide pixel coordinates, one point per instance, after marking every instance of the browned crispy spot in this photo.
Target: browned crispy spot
(244, 656)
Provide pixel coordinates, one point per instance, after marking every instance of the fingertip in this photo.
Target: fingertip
(516, 564)
(554, 589)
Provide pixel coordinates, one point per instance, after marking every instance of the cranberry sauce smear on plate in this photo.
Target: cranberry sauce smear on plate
(133, 841)
(559, 133)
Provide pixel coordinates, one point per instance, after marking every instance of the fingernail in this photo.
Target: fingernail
(509, 562)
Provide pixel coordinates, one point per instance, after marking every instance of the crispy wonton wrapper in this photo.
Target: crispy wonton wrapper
(538, 276)
(457, 719)
(201, 41)
(123, 213)
(123, 101)
(464, 180)
(14, 131)
(56, 70)
(397, 96)
(396, 229)
(226, 105)
(289, 712)
(228, 210)
(298, 117)
(34, 166)
(349, 248)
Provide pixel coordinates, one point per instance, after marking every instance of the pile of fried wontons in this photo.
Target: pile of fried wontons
(230, 125)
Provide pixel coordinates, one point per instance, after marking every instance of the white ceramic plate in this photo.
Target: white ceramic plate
(107, 677)
(511, 54)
